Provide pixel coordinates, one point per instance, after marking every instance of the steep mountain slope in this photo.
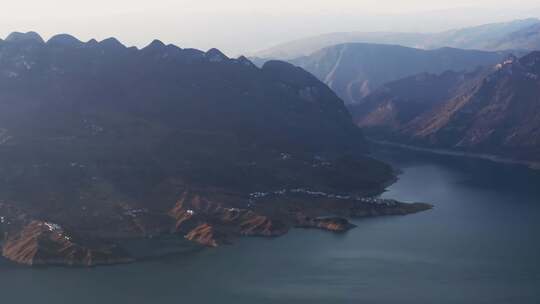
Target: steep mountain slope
(484, 37)
(355, 70)
(99, 141)
(399, 102)
(492, 111)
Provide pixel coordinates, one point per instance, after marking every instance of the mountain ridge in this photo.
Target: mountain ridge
(490, 111)
(101, 142)
(482, 37)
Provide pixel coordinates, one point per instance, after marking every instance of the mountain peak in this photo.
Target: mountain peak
(155, 44)
(244, 61)
(112, 43)
(92, 42)
(64, 40)
(28, 36)
(215, 55)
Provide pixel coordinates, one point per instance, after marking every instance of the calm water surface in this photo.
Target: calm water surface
(479, 245)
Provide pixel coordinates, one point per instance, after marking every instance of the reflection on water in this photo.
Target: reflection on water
(479, 245)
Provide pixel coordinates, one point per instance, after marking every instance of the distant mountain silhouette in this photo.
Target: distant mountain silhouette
(355, 70)
(494, 110)
(527, 38)
(490, 37)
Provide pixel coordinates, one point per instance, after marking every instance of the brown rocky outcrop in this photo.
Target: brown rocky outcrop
(206, 235)
(202, 219)
(43, 243)
(334, 224)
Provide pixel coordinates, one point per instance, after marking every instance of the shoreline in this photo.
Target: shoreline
(494, 158)
(313, 210)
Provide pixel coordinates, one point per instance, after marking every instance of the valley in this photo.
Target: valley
(492, 111)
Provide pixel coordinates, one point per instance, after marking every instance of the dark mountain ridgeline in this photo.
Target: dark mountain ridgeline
(102, 140)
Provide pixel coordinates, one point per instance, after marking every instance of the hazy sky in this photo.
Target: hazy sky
(241, 26)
